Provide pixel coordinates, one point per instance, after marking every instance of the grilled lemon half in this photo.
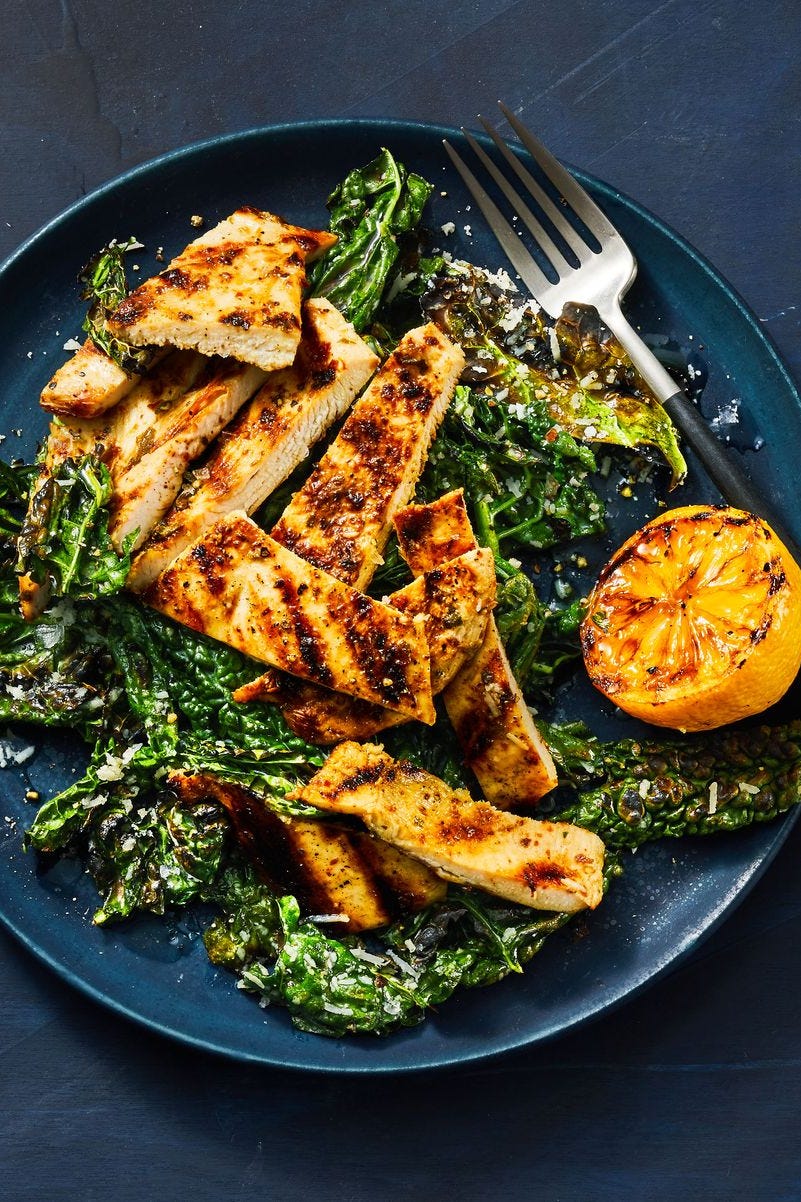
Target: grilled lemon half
(695, 622)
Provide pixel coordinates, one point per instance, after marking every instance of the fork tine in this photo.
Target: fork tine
(546, 243)
(521, 260)
(571, 236)
(585, 208)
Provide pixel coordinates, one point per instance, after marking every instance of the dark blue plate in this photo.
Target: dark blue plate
(157, 972)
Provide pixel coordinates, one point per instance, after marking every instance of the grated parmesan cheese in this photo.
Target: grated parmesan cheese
(14, 751)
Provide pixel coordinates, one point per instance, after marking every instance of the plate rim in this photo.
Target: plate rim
(678, 954)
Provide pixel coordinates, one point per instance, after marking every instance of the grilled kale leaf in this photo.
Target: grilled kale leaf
(340, 986)
(524, 488)
(636, 791)
(64, 542)
(177, 715)
(592, 394)
(51, 671)
(370, 210)
(102, 282)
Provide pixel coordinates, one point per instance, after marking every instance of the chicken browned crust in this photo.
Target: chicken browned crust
(240, 586)
(235, 291)
(456, 601)
(89, 383)
(341, 518)
(544, 865)
(328, 869)
(497, 734)
(269, 437)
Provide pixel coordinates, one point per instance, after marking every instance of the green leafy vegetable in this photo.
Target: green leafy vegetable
(370, 210)
(52, 671)
(117, 775)
(166, 855)
(64, 541)
(697, 786)
(593, 394)
(523, 491)
(539, 640)
(191, 677)
(103, 284)
(15, 484)
(337, 987)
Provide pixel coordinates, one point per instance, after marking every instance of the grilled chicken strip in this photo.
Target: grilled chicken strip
(500, 741)
(341, 518)
(235, 291)
(456, 600)
(240, 586)
(269, 437)
(328, 869)
(87, 384)
(70, 438)
(148, 465)
(120, 436)
(544, 865)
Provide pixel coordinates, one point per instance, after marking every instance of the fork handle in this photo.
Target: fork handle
(727, 475)
(722, 469)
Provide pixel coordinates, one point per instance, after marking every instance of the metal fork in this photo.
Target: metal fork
(601, 276)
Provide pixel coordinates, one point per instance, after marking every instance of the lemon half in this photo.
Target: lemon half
(695, 622)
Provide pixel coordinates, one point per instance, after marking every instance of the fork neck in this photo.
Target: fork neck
(656, 377)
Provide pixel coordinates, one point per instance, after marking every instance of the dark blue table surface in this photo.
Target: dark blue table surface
(690, 1090)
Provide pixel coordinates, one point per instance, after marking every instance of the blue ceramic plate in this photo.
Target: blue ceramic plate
(156, 971)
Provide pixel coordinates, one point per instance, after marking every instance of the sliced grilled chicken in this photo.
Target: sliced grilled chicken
(341, 518)
(121, 436)
(149, 464)
(430, 535)
(72, 438)
(328, 869)
(235, 291)
(89, 383)
(545, 865)
(496, 731)
(240, 586)
(456, 601)
(268, 438)
(499, 739)
(141, 421)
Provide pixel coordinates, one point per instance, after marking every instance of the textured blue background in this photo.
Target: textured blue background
(692, 108)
